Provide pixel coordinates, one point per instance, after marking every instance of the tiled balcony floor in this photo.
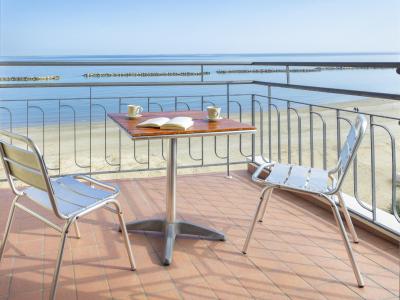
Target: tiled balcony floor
(296, 253)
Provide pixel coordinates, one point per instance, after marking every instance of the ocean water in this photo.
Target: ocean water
(16, 100)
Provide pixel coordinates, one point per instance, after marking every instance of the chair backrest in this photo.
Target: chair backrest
(26, 165)
(350, 147)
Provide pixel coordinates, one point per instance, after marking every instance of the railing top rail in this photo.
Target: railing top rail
(199, 83)
(124, 97)
(199, 63)
(330, 90)
(121, 83)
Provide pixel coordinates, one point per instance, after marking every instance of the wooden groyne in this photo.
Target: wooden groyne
(145, 74)
(30, 78)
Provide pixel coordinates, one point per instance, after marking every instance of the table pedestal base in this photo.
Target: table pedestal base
(171, 231)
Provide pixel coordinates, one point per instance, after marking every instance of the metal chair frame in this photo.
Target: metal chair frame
(47, 187)
(347, 155)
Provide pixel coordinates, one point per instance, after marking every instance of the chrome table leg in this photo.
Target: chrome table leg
(171, 227)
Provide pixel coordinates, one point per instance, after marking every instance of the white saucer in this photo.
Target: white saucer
(214, 120)
(135, 117)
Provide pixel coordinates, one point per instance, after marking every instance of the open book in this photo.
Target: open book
(177, 123)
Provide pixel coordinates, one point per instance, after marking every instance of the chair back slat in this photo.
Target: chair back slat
(22, 156)
(350, 146)
(23, 165)
(27, 166)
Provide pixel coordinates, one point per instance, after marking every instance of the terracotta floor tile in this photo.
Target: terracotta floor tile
(334, 290)
(5, 281)
(296, 253)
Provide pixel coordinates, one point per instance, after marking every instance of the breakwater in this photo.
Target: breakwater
(296, 70)
(145, 74)
(30, 78)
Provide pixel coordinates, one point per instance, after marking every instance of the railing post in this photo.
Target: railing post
(201, 73)
(253, 123)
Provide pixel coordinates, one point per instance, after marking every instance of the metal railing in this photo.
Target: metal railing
(288, 130)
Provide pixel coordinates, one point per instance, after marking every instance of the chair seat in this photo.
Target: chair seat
(299, 177)
(72, 196)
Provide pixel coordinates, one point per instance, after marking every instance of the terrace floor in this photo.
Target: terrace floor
(295, 254)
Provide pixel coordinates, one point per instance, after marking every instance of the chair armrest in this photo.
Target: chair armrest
(98, 183)
(333, 188)
(257, 172)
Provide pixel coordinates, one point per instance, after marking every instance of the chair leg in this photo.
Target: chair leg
(125, 235)
(60, 254)
(347, 217)
(261, 217)
(251, 229)
(77, 231)
(346, 242)
(8, 226)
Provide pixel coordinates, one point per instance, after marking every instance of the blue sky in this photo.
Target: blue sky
(99, 27)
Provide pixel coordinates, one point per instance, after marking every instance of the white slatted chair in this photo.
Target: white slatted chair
(316, 182)
(68, 197)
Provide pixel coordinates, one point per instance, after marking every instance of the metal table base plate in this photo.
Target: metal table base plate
(171, 231)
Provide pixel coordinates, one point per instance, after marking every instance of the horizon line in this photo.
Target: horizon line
(214, 54)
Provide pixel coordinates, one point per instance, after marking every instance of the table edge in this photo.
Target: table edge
(183, 135)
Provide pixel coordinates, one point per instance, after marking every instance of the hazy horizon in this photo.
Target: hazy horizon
(226, 27)
(221, 54)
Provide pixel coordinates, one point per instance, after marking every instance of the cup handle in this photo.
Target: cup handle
(140, 109)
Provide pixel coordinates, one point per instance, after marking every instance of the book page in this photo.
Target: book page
(155, 122)
(178, 123)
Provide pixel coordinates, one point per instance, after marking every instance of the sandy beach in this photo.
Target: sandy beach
(105, 157)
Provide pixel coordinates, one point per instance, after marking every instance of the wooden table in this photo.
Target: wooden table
(170, 226)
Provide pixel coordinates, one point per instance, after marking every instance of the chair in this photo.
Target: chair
(69, 198)
(316, 182)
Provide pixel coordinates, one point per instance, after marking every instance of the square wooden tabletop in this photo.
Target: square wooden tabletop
(201, 126)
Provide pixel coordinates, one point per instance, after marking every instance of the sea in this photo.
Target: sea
(35, 106)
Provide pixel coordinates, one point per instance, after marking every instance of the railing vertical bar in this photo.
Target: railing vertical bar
(27, 121)
(324, 153)
(299, 137)
(338, 135)
(253, 123)
(289, 132)
(227, 137)
(59, 137)
(202, 138)
(90, 130)
(176, 103)
(373, 179)
(311, 136)
(279, 137)
(287, 75)
(119, 139)
(269, 124)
